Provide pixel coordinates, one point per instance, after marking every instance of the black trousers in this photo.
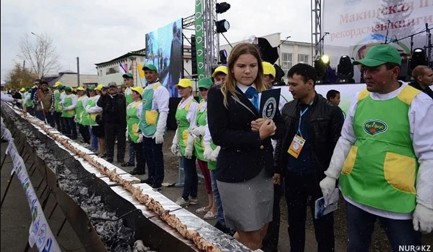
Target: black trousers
(270, 242)
(113, 132)
(85, 133)
(301, 191)
(139, 156)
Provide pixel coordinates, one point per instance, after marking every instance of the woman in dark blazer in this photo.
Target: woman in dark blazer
(245, 162)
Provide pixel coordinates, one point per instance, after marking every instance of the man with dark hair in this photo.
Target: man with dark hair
(423, 79)
(113, 106)
(312, 127)
(384, 158)
(333, 96)
(43, 100)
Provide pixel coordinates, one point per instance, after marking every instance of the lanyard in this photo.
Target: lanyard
(301, 113)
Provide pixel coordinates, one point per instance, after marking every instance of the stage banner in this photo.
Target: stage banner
(39, 232)
(356, 25)
(199, 38)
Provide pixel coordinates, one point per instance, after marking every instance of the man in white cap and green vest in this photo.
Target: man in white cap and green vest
(384, 157)
(153, 121)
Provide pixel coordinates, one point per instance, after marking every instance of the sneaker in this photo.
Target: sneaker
(202, 210)
(110, 160)
(209, 216)
(193, 201)
(182, 202)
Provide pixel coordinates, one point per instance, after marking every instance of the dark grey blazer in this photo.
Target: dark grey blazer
(243, 155)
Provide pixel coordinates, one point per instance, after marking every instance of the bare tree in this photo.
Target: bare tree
(42, 56)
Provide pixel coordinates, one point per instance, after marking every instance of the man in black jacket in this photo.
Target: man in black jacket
(423, 79)
(114, 117)
(312, 127)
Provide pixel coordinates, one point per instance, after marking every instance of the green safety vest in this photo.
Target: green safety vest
(149, 118)
(79, 109)
(132, 120)
(183, 125)
(68, 102)
(381, 167)
(128, 96)
(29, 102)
(57, 105)
(89, 119)
(198, 141)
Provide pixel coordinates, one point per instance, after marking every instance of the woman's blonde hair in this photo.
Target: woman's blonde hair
(229, 86)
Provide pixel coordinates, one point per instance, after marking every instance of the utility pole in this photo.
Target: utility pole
(78, 71)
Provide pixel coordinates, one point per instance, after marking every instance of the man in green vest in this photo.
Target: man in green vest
(153, 122)
(384, 157)
(128, 80)
(57, 113)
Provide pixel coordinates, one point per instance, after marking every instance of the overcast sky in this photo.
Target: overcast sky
(98, 30)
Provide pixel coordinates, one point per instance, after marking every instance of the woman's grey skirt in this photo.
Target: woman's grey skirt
(247, 205)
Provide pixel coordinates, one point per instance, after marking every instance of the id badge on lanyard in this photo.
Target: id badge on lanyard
(298, 141)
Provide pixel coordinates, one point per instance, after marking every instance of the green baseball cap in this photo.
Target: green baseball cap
(150, 67)
(379, 55)
(128, 75)
(205, 83)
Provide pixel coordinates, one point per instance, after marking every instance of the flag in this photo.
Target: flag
(140, 70)
(123, 68)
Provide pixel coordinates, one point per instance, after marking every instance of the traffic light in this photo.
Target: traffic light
(193, 56)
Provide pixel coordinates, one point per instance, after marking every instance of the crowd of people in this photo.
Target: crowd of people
(379, 153)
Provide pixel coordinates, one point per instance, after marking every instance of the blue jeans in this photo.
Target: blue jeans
(191, 178)
(217, 198)
(360, 226)
(93, 140)
(154, 160)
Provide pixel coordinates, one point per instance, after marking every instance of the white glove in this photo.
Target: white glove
(140, 138)
(175, 149)
(207, 151)
(198, 131)
(189, 147)
(88, 109)
(139, 246)
(159, 137)
(126, 133)
(422, 219)
(328, 186)
(188, 153)
(175, 145)
(214, 154)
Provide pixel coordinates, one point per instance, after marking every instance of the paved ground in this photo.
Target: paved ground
(15, 215)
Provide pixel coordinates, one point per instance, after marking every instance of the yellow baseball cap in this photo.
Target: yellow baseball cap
(138, 89)
(80, 88)
(99, 87)
(184, 83)
(220, 69)
(268, 69)
(57, 84)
